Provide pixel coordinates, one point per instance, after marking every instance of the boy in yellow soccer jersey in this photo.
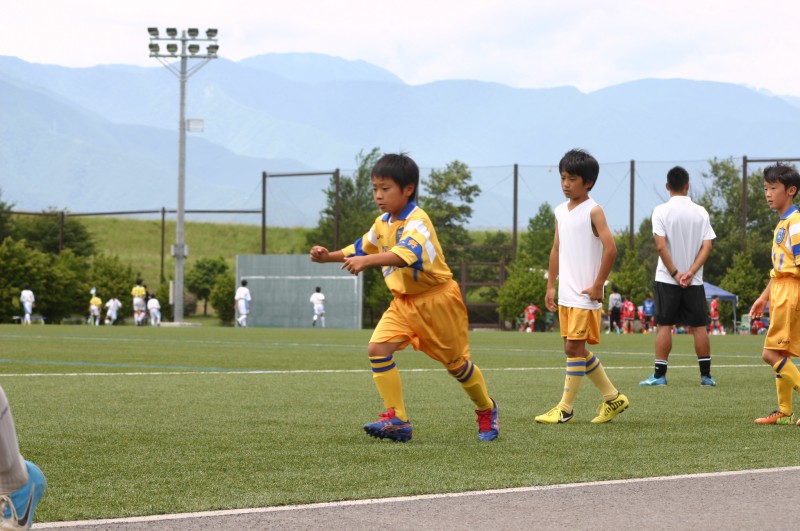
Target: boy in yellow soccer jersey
(781, 183)
(582, 256)
(427, 311)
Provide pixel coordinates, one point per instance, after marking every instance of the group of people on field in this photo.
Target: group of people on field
(146, 307)
(428, 313)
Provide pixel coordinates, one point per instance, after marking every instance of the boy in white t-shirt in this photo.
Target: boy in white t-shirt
(113, 306)
(582, 256)
(242, 304)
(154, 309)
(318, 300)
(27, 299)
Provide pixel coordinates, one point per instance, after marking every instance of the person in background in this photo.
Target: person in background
(648, 310)
(113, 306)
(318, 302)
(615, 310)
(27, 299)
(139, 292)
(95, 303)
(529, 316)
(242, 304)
(154, 309)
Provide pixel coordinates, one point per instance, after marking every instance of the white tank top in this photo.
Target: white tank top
(579, 255)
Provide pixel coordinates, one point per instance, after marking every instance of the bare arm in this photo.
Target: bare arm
(757, 311)
(321, 255)
(600, 226)
(552, 274)
(663, 253)
(357, 264)
(705, 250)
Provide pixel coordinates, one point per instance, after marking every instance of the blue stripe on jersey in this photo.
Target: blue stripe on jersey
(359, 245)
(789, 212)
(782, 363)
(780, 262)
(464, 369)
(796, 250)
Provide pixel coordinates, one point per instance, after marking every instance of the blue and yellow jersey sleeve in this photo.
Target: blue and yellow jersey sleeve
(786, 246)
(412, 238)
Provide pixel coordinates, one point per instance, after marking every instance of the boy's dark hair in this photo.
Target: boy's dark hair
(783, 173)
(244, 283)
(319, 289)
(677, 178)
(614, 288)
(400, 168)
(579, 162)
(138, 281)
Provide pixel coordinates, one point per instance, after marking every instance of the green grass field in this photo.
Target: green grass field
(135, 421)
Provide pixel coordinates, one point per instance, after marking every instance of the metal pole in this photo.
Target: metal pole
(163, 240)
(61, 219)
(516, 206)
(632, 230)
(263, 212)
(336, 213)
(744, 203)
(179, 231)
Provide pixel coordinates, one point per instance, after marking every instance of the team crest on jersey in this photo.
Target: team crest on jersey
(780, 235)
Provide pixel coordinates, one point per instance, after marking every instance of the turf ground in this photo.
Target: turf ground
(135, 421)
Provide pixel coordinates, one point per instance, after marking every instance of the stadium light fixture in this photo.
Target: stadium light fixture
(185, 47)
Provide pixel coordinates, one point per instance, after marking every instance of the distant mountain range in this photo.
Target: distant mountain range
(105, 138)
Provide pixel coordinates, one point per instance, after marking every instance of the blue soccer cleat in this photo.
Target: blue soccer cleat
(18, 508)
(389, 426)
(652, 381)
(707, 381)
(488, 423)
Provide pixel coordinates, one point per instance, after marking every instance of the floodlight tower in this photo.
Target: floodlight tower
(189, 43)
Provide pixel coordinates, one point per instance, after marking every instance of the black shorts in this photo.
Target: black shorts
(680, 306)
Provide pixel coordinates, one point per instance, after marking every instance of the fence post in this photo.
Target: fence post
(163, 240)
(632, 230)
(744, 203)
(263, 212)
(516, 207)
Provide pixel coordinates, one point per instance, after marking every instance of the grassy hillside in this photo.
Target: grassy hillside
(138, 242)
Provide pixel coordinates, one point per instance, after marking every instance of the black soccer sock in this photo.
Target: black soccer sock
(661, 368)
(705, 366)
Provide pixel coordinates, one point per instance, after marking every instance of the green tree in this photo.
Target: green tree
(202, 275)
(44, 233)
(5, 218)
(744, 280)
(67, 290)
(21, 266)
(538, 240)
(723, 200)
(447, 197)
(526, 282)
(222, 295)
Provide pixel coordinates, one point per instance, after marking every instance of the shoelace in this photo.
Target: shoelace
(386, 415)
(484, 420)
(5, 503)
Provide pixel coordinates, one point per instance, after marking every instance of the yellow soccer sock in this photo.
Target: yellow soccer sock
(471, 379)
(597, 374)
(387, 380)
(576, 369)
(784, 395)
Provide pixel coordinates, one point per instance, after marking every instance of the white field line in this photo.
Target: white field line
(337, 371)
(376, 501)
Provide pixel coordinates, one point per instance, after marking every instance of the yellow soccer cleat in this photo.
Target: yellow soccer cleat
(610, 409)
(554, 416)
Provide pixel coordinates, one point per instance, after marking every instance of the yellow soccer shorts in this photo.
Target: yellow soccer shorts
(579, 324)
(434, 322)
(784, 316)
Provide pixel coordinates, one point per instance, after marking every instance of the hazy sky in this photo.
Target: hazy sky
(589, 44)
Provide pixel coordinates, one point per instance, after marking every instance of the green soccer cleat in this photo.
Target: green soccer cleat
(554, 416)
(610, 409)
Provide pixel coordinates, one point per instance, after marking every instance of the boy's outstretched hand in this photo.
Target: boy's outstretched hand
(318, 254)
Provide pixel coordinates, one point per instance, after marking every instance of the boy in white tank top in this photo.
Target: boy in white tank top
(581, 258)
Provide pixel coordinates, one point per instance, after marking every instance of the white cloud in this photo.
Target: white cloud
(533, 43)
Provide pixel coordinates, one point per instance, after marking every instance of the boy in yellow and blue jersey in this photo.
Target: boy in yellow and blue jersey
(427, 311)
(781, 183)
